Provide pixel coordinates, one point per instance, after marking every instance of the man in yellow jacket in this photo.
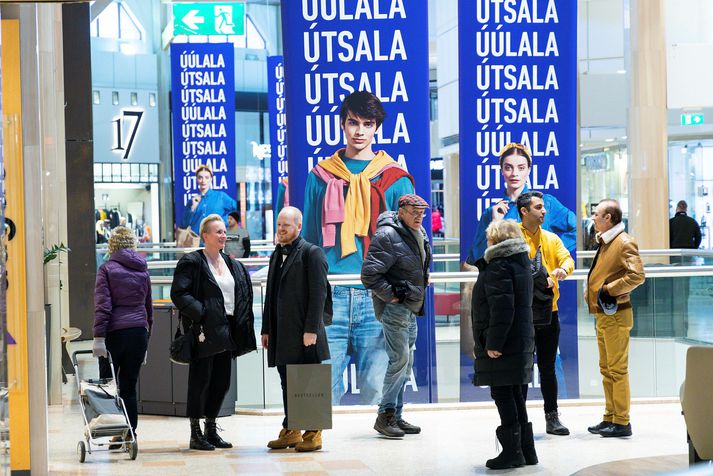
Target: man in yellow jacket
(616, 271)
(546, 251)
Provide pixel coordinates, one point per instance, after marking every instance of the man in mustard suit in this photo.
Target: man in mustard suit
(546, 250)
(616, 271)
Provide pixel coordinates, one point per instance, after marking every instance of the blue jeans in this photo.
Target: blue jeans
(355, 333)
(400, 332)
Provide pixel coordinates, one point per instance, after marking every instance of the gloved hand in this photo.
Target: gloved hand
(146, 356)
(400, 291)
(99, 347)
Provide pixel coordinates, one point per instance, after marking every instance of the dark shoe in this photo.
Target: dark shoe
(407, 427)
(511, 455)
(528, 444)
(616, 431)
(386, 425)
(554, 426)
(212, 436)
(597, 428)
(198, 441)
(113, 446)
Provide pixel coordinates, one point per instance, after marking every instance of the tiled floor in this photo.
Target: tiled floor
(453, 442)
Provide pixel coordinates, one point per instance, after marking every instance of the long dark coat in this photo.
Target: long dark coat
(199, 299)
(303, 301)
(502, 315)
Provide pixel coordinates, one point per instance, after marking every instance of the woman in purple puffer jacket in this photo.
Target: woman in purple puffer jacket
(123, 314)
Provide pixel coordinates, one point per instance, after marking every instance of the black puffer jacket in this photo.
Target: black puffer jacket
(502, 315)
(394, 262)
(199, 299)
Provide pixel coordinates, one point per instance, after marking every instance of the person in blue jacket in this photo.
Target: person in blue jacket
(207, 201)
(515, 165)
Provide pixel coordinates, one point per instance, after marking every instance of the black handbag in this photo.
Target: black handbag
(181, 349)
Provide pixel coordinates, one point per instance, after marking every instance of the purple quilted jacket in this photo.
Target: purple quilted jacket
(122, 296)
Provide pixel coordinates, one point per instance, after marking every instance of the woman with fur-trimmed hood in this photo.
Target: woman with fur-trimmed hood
(504, 338)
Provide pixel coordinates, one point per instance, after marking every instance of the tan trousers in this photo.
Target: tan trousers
(613, 342)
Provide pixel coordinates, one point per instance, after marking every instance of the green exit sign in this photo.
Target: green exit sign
(208, 18)
(691, 119)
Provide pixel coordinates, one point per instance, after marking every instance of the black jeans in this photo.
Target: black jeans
(208, 382)
(546, 343)
(510, 403)
(128, 349)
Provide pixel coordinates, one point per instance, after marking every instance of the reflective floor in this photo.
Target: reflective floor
(454, 441)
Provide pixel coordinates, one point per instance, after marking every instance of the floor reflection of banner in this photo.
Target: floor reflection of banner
(518, 84)
(332, 49)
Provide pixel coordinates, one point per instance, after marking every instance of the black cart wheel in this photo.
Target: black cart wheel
(81, 451)
(133, 450)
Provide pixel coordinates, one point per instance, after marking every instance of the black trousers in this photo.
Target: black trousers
(282, 370)
(128, 349)
(208, 383)
(511, 404)
(546, 343)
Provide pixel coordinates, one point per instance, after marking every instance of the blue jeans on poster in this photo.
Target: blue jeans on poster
(400, 332)
(357, 336)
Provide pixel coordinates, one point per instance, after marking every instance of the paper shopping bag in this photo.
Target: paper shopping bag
(309, 396)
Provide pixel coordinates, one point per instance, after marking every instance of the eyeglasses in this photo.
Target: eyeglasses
(416, 213)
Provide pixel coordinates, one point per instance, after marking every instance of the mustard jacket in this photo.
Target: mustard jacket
(554, 254)
(618, 267)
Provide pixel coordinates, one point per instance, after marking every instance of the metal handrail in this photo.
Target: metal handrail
(472, 276)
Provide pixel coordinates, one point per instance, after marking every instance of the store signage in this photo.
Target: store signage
(692, 119)
(208, 18)
(203, 108)
(333, 48)
(126, 125)
(518, 83)
(278, 130)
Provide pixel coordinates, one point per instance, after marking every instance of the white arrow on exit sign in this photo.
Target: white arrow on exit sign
(192, 19)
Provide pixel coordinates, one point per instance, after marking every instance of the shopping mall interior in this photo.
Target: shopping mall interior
(112, 107)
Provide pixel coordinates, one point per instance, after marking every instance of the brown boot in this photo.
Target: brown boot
(311, 441)
(287, 439)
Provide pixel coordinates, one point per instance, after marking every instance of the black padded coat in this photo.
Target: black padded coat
(199, 299)
(502, 315)
(394, 259)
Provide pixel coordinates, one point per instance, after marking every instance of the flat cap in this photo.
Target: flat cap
(413, 200)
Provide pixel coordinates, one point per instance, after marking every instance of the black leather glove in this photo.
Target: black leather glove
(400, 291)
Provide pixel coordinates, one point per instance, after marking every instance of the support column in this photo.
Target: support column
(648, 135)
(79, 149)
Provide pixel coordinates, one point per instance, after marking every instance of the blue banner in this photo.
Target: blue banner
(278, 131)
(333, 48)
(203, 108)
(518, 83)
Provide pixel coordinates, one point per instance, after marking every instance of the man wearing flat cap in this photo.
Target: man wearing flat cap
(616, 271)
(396, 271)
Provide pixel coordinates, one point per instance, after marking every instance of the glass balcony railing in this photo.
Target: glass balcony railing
(671, 313)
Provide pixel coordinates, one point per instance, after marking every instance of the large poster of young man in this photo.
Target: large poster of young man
(357, 105)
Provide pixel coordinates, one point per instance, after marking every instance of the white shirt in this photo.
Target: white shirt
(226, 283)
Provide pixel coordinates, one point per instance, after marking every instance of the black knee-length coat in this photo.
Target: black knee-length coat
(301, 304)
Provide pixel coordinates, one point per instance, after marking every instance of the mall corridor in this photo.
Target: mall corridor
(453, 442)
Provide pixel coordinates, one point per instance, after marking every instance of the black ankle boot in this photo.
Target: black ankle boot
(212, 436)
(511, 456)
(198, 441)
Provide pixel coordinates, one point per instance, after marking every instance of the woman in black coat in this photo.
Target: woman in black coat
(214, 296)
(504, 338)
